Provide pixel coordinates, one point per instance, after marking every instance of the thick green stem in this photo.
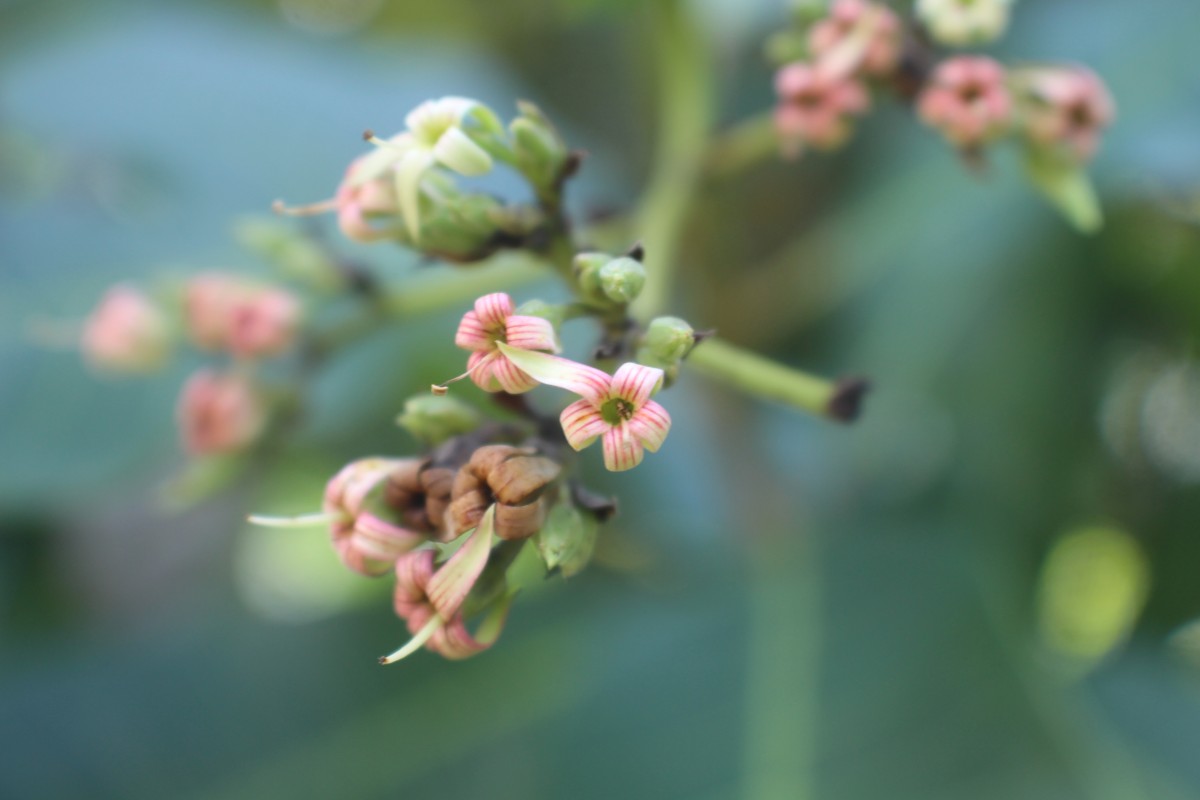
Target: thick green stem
(685, 105)
(762, 377)
(447, 289)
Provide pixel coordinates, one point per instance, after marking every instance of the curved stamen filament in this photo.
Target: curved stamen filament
(298, 521)
(416, 642)
(441, 388)
(312, 209)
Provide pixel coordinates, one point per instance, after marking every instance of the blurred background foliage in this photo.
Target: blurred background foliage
(983, 589)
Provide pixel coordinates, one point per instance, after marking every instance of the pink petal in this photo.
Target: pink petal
(380, 540)
(531, 333)
(510, 377)
(621, 450)
(650, 425)
(449, 586)
(471, 334)
(494, 308)
(635, 383)
(482, 368)
(413, 572)
(587, 382)
(582, 423)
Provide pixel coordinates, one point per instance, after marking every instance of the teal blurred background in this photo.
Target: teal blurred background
(787, 608)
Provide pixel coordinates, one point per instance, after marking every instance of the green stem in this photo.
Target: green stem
(762, 377)
(685, 103)
(447, 289)
(746, 144)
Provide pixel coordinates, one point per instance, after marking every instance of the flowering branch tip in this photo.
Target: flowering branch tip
(846, 402)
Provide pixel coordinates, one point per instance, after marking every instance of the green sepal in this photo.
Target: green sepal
(1067, 186)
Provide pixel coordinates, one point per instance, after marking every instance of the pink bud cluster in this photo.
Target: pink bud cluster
(218, 411)
(818, 99)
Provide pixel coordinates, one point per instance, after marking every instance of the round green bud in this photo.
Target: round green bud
(622, 279)
(567, 540)
(436, 418)
(587, 270)
(668, 339)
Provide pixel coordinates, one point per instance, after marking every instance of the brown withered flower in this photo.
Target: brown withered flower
(513, 478)
(420, 493)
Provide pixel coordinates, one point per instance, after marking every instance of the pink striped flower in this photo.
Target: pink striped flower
(967, 100)
(615, 408)
(430, 598)
(493, 322)
(366, 542)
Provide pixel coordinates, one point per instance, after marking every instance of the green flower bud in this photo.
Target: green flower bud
(587, 270)
(456, 226)
(539, 150)
(567, 540)
(434, 419)
(622, 279)
(668, 339)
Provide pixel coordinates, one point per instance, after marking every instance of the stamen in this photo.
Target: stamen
(439, 389)
(369, 136)
(416, 642)
(312, 209)
(298, 521)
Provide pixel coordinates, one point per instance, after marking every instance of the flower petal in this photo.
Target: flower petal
(650, 425)
(582, 423)
(408, 187)
(621, 450)
(636, 382)
(531, 333)
(376, 163)
(587, 382)
(510, 377)
(471, 333)
(380, 540)
(493, 309)
(455, 150)
(449, 586)
(454, 641)
(481, 366)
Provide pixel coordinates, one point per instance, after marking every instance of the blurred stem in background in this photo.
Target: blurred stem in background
(784, 641)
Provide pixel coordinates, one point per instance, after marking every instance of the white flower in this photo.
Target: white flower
(958, 23)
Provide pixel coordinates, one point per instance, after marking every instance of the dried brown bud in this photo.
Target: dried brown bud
(512, 478)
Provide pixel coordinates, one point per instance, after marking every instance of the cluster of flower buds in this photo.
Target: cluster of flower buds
(449, 526)
(405, 189)
(218, 411)
(820, 95)
(606, 280)
(1056, 113)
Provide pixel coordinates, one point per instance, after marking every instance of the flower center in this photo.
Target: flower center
(617, 410)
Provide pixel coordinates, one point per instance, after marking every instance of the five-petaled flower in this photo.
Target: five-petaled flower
(494, 321)
(616, 408)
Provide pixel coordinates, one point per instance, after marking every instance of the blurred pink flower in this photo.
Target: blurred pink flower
(857, 37)
(1066, 108)
(967, 100)
(494, 320)
(815, 107)
(126, 332)
(363, 195)
(219, 413)
(250, 320)
(616, 408)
